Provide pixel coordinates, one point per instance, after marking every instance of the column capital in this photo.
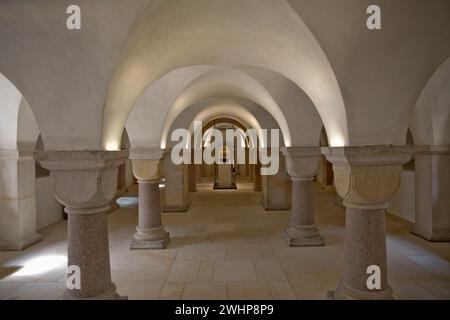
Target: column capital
(301, 162)
(145, 164)
(147, 153)
(146, 171)
(84, 181)
(366, 177)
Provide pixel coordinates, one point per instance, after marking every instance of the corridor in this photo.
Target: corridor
(226, 246)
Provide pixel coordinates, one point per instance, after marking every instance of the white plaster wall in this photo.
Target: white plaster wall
(403, 203)
(48, 209)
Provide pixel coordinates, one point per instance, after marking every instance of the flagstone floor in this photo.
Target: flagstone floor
(228, 247)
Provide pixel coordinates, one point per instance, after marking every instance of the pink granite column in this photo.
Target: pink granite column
(150, 233)
(366, 178)
(302, 165)
(365, 248)
(302, 230)
(85, 182)
(87, 241)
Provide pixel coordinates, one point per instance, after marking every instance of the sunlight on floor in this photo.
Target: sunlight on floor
(40, 265)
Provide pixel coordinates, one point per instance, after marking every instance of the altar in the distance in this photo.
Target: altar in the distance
(224, 176)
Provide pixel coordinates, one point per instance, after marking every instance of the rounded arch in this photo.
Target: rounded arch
(430, 121)
(323, 138)
(217, 120)
(218, 108)
(225, 83)
(145, 122)
(278, 92)
(267, 34)
(239, 125)
(18, 127)
(233, 112)
(240, 109)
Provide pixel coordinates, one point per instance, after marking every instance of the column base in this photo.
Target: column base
(109, 294)
(303, 236)
(443, 236)
(274, 207)
(156, 238)
(21, 244)
(220, 187)
(177, 208)
(346, 293)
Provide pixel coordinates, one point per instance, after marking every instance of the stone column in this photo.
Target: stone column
(432, 220)
(257, 180)
(85, 182)
(192, 174)
(275, 189)
(150, 233)
(18, 218)
(302, 165)
(199, 172)
(176, 191)
(366, 177)
(251, 173)
(192, 178)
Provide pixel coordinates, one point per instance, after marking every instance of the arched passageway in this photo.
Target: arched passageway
(106, 99)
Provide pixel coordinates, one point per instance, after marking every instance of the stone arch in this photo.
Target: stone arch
(236, 82)
(430, 121)
(18, 127)
(288, 104)
(212, 108)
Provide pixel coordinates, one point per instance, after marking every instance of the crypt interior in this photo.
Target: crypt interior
(87, 177)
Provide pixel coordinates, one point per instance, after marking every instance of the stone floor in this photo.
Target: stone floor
(227, 247)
